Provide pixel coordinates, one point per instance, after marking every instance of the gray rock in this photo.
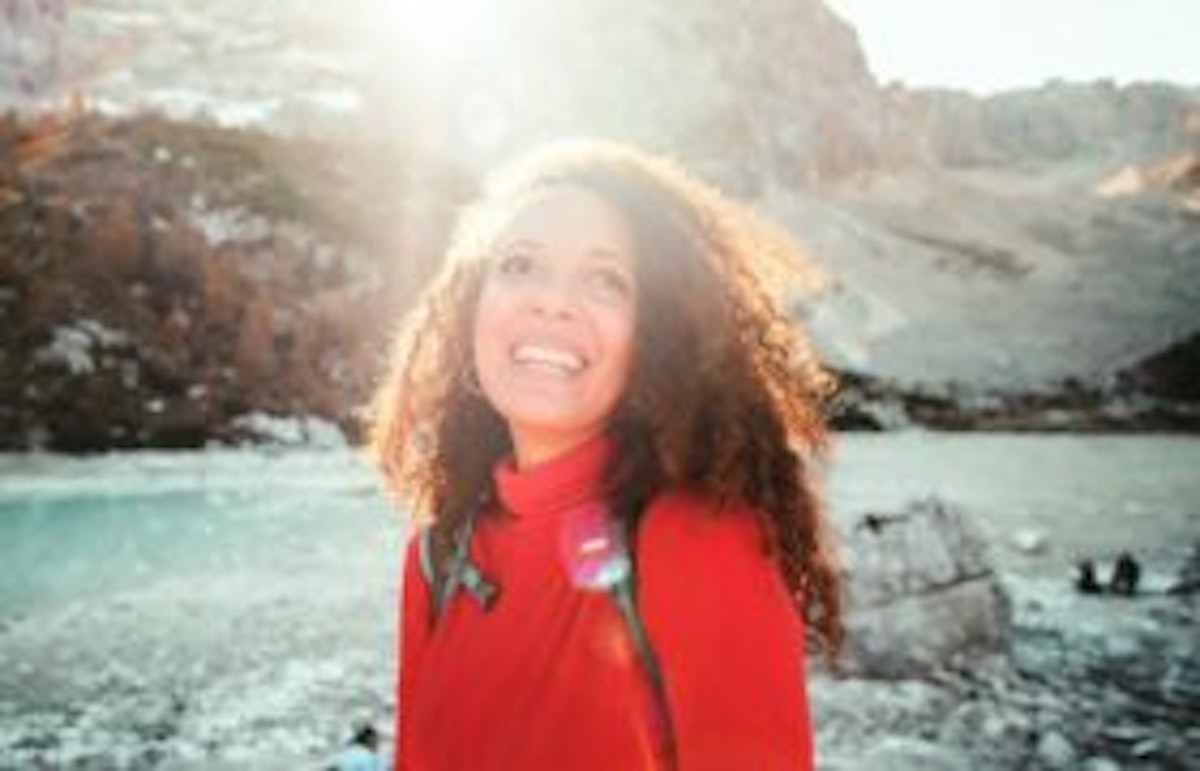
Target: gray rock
(897, 753)
(995, 735)
(1055, 751)
(1030, 541)
(921, 592)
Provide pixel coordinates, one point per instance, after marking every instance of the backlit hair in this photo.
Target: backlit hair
(724, 395)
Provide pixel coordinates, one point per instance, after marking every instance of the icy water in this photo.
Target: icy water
(72, 527)
(236, 606)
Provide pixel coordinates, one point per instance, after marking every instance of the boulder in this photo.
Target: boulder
(1056, 751)
(921, 592)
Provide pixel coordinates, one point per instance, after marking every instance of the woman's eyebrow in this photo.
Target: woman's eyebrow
(521, 242)
(607, 253)
(603, 252)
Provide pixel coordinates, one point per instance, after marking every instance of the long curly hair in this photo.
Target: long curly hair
(725, 395)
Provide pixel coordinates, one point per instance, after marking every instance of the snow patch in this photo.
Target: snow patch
(339, 101)
(194, 104)
(73, 344)
(848, 322)
(231, 225)
(1127, 181)
(304, 430)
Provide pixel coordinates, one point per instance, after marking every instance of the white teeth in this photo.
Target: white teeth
(551, 357)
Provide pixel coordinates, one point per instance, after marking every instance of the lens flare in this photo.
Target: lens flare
(592, 548)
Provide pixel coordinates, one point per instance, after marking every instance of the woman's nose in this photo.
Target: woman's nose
(553, 295)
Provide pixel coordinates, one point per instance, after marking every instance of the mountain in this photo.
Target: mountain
(985, 262)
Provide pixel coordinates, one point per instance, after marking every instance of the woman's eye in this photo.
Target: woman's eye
(515, 264)
(612, 282)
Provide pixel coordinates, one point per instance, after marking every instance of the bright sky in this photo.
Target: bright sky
(990, 45)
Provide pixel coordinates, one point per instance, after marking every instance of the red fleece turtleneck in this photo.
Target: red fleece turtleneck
(548, 679)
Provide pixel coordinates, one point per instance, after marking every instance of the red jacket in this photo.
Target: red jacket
(548, 679)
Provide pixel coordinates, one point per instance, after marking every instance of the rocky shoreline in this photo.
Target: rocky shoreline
(271, 654)
(1117, 406)
(1077, 690)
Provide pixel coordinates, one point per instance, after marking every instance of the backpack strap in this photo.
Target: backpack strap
(425, 553)
(624, 596)
(461, 572)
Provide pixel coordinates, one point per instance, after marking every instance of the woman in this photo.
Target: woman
(610, 428)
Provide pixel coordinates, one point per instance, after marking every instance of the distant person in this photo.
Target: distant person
(1086, 581)
(1126, 574)
(611, 427)
(361, 752)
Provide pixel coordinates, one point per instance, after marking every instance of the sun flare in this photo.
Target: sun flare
(432, 39)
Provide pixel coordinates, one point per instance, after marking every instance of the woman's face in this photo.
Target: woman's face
(554, 328)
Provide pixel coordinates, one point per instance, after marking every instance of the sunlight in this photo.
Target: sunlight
(432, 38)
(433, 70)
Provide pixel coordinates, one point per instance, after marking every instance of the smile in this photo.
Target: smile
(549, 357)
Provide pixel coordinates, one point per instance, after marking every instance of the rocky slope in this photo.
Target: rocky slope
(161, 284)
(1097, 123)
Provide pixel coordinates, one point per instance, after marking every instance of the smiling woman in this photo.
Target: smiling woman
(555, 322)
(609, 427)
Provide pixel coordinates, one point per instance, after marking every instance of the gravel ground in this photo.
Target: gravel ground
(143, 640)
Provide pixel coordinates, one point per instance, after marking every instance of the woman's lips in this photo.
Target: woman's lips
(552, 357)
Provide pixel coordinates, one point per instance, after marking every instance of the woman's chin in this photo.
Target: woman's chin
(537, 442)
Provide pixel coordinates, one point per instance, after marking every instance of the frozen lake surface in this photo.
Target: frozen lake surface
(237, 606)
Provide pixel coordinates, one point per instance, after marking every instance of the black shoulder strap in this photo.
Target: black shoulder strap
(624, 594)
(461, 572)
(425, 553)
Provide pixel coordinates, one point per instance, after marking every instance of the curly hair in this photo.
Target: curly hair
(725, 395)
